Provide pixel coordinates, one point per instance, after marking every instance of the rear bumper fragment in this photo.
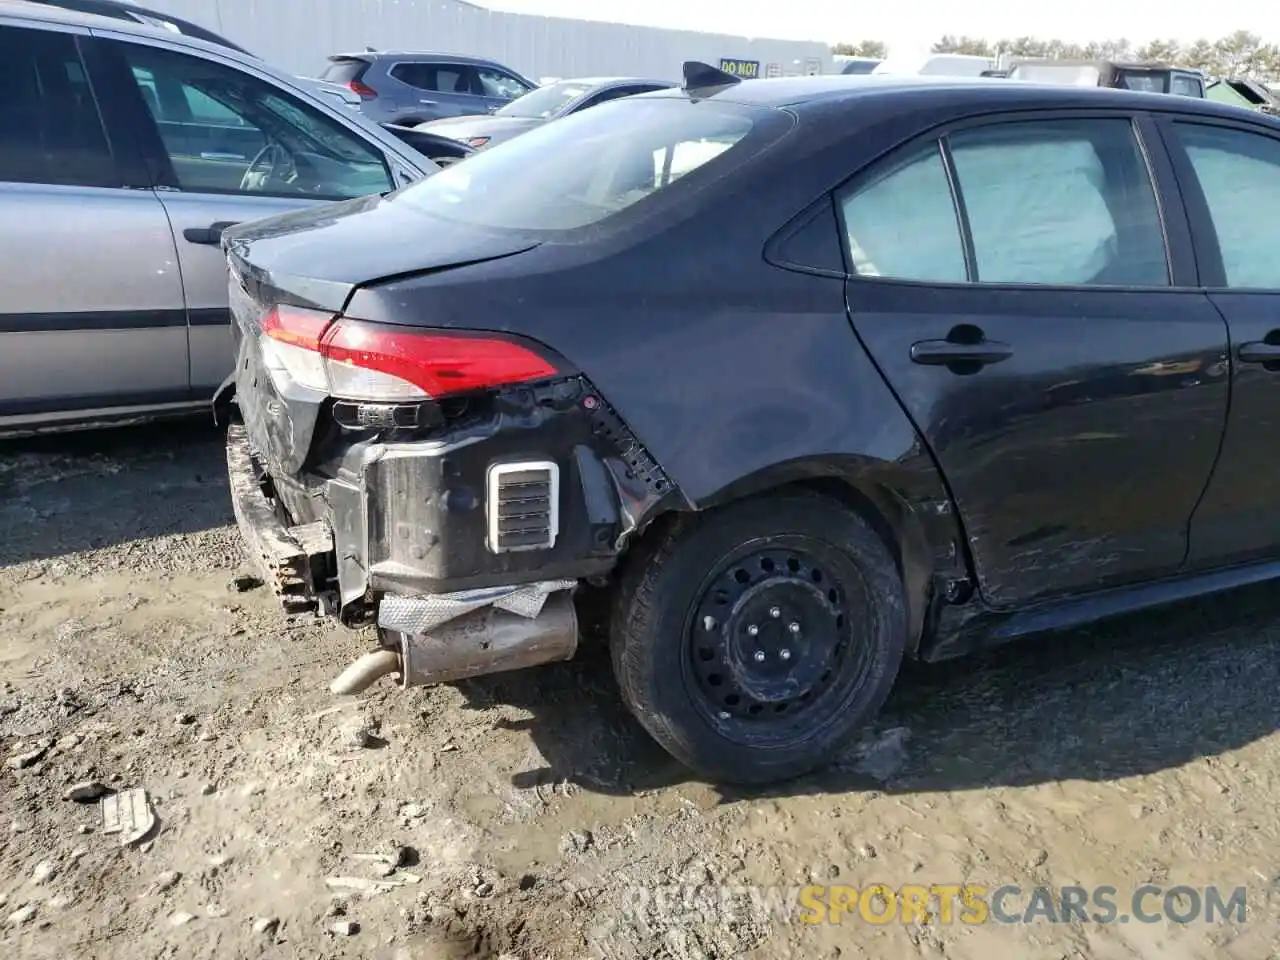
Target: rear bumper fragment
(293, 561)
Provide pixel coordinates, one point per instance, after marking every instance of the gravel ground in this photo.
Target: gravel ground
(526, 816)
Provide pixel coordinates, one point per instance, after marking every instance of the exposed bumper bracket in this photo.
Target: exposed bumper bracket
(419, 615)
(291, 559)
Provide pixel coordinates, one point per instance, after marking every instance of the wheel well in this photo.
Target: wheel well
(860, 503)
(901, 532)
(886, 514)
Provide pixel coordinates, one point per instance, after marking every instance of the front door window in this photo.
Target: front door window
(227, 131)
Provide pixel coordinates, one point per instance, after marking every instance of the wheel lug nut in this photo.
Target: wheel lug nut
(785, 654)
(752, 630)
(794, 628)
(759, 656)
(775, 612)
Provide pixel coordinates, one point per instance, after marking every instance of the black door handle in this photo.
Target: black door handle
(1259, 351)
(210, 235)
(940, 353)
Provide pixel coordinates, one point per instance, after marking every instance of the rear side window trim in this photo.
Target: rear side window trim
(940, 133)
(967, 249)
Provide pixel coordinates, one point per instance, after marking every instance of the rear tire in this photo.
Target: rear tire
(752, 640)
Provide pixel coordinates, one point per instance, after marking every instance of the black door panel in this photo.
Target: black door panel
(1072, 398)
(1230, 177)
(1077, 460)
(1239, 518)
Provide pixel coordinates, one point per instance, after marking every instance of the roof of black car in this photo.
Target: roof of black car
(799, 92)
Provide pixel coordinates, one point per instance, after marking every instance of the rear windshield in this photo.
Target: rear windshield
(541, 103)
(344, 71)
(586, 167)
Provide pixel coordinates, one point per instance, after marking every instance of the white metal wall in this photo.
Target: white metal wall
(297, 35)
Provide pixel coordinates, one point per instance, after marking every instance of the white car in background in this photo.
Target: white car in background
(936, 65)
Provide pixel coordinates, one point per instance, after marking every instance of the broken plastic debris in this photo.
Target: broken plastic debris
(366, 885)
(129, 814)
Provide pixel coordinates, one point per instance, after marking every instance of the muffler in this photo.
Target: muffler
(483, 641)
(490, 640)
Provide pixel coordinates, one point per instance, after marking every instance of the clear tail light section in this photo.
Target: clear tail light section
(378, 363)
(290, 345)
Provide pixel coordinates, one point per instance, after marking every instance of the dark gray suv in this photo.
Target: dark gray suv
(409, 88)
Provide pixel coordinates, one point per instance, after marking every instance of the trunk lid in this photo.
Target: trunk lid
(315, 258)
(318, 255)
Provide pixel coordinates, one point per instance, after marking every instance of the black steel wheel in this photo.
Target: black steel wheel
(751, 641)
(770, 634)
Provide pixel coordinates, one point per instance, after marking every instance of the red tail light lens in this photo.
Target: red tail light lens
(362, 90)
(437, 364)
(353, 360)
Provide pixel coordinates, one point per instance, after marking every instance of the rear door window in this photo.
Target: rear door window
(1064, 202)
(1057, 202)
(50, 129)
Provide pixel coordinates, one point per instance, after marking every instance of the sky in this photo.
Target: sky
(910, 26)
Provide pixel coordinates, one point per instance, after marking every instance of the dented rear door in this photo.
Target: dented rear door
(1072, 395)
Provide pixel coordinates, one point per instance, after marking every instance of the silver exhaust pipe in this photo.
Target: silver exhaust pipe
(488, 640)
(365, 671)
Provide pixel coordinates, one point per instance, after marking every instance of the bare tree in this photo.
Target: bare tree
(875, 49)
(1240, 54)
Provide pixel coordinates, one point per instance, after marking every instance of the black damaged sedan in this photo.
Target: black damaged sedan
(800, 377)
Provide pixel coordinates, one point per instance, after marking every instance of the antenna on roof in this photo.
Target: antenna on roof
(699, 76)
(369, 49)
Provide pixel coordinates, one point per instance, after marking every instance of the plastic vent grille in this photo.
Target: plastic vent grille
(523, 506)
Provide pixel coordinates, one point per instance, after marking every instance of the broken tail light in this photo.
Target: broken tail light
(354, 360)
